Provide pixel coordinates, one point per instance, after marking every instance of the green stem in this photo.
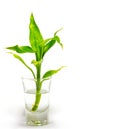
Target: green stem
(37, 101)
(38, 87)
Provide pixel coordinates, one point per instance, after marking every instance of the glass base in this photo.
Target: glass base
(37, 118)
(36, 123)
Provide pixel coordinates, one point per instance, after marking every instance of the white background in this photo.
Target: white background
(86, 94)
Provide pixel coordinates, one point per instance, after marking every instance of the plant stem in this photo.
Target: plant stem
(38, 86)
(37, 101)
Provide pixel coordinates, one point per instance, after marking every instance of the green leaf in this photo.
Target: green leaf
(22, 61)
(21, 49)
(35, 34)
(36, 63)
(51, 72)
(57, 31)
(51, 43)
(58, 40)
(48, 46)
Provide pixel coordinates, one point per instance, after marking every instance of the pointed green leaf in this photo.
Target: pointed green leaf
(48, 46)
(35, 34)
(22, 61)
(21, 49)
(51, 43)
(57, 31)
(51, 72)
(58, 40)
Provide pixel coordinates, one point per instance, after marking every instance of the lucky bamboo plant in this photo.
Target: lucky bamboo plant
(38, 46)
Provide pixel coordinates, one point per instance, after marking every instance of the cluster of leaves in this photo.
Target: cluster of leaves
(38, 46)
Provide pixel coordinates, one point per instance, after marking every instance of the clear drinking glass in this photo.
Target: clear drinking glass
(39, 116)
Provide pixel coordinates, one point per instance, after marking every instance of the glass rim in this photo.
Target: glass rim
(33, 79)
(27, 78)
